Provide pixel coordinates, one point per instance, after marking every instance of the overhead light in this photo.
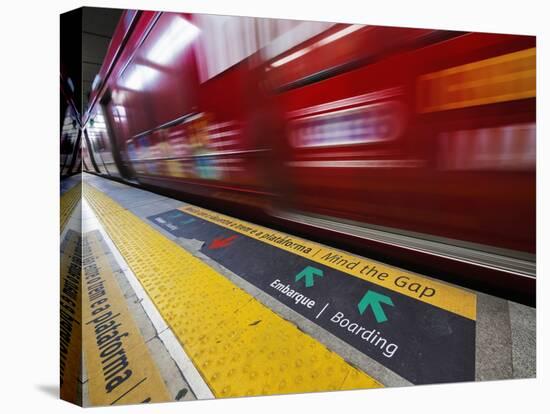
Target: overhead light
(324, 41)
(96, 82)
(291, 57)
(140, 77)
(175, 38)
(119, 110)
(339, 34)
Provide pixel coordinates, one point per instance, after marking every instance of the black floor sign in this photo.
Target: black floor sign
(423, 343)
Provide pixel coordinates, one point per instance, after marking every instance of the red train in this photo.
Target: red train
(415, 144)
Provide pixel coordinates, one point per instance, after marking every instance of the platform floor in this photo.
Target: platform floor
(179, 302)
(71, 192)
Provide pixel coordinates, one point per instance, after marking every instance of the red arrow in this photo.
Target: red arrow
(220, 242)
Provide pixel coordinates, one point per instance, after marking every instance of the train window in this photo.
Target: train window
(119, 113)
(502, 148)
(132, 154)
(143, 150)
(377, 122)
(224, 42)
(162, 70)
(100, 143)
(96, 131)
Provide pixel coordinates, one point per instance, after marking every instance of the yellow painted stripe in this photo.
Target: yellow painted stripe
(435, 293)
(239, 346)
(119, 366)
(70, 313)
(503, 78)
(69, 199)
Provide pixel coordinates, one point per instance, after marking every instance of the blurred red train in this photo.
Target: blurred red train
(416, 144)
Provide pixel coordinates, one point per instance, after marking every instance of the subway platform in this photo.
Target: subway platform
(179, 302)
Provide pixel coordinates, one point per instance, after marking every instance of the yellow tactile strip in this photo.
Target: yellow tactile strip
(239, 346)
(68, 201)
(70, 332)
(119, 365)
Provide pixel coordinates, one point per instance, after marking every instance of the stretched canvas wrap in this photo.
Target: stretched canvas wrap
(257, 206)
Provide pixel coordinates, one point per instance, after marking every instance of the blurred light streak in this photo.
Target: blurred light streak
(177, 36)
(325, 41)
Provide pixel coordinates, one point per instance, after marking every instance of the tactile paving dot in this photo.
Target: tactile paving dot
(216, 322)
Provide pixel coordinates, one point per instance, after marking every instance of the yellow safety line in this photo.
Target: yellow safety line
(239, 346)
(119, 365)
(70, 318)
(69, 200)
(435, 293)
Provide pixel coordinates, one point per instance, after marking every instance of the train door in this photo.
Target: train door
(88, 153)
(96, 139)
(117, 151)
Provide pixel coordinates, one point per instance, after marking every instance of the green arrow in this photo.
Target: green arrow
(309, 272)
(374, 299)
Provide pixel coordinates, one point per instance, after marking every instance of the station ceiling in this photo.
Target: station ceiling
(98, 26)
